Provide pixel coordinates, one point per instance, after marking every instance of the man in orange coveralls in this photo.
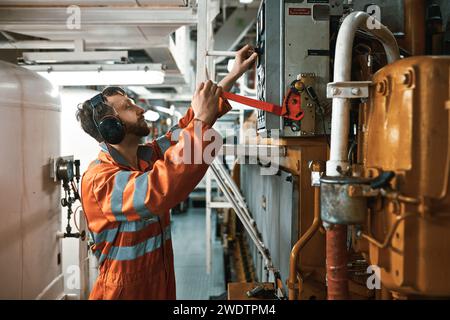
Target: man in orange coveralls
(128, 191)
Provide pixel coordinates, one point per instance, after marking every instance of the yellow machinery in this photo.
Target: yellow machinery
(380, 226)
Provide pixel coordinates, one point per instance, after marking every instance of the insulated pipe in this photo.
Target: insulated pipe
(337, 278)
(299, 246)
(342, 72)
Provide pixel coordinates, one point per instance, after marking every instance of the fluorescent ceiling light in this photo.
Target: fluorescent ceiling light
(169, 111)
(105, 78)
(74, 56)
(86, 75)
(152, 116)
(245, 1)
(140, 90)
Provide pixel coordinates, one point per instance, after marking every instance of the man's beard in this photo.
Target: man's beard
(139, 129)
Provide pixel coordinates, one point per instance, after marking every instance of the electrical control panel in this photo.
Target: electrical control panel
(302, 53)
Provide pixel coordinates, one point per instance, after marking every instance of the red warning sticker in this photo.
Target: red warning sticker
(299, 11)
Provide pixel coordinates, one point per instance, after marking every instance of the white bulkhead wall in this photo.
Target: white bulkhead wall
(30, 257)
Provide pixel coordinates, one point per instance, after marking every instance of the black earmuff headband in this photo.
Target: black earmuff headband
(95, 102)
(110, 127)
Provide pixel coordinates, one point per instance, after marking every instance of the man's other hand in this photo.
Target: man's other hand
(205, 102)
(245, 58)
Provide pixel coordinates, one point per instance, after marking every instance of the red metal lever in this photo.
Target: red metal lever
(291, 108)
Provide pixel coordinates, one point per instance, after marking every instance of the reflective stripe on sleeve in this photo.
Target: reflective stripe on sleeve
(120, 183)
(163, 143)
(139, 195)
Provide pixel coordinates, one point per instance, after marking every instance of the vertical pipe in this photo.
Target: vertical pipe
(208, 222)
(415, 26)
(337, 235)
(315, 226)
(340, 117)
(337, 277)
(203, 34)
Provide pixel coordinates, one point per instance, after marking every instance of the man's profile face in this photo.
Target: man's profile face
(130, 114)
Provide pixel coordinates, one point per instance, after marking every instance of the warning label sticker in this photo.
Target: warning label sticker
(299, 11)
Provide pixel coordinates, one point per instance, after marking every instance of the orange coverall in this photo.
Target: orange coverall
(127, 210)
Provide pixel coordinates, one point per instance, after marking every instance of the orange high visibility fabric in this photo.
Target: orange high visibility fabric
(127, 210)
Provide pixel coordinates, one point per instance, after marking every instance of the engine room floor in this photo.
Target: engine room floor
(188, 234)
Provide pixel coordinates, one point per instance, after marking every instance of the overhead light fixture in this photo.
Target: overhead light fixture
(151, 116)
(170, 111)
(140, 90)
(246, 1)
(93, 74)
(76, 56)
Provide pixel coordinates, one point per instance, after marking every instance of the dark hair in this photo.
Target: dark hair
(84, 112)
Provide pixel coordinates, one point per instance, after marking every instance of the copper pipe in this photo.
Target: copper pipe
(300, 244)
(415, 26)
(337, 277)
(369, 237)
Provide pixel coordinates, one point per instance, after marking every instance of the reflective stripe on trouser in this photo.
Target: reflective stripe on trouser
(158, 283)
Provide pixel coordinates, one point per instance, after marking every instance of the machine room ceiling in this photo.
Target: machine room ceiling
(104, 25)
(29, 29)
(65, 3)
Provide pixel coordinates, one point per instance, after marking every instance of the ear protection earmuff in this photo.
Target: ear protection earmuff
(110, 127)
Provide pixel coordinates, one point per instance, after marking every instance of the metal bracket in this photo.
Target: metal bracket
(362, 191)
(336, 8)
(348, 89)
(54, 162)
(315, 178)
(253, 150)
(317, 170)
